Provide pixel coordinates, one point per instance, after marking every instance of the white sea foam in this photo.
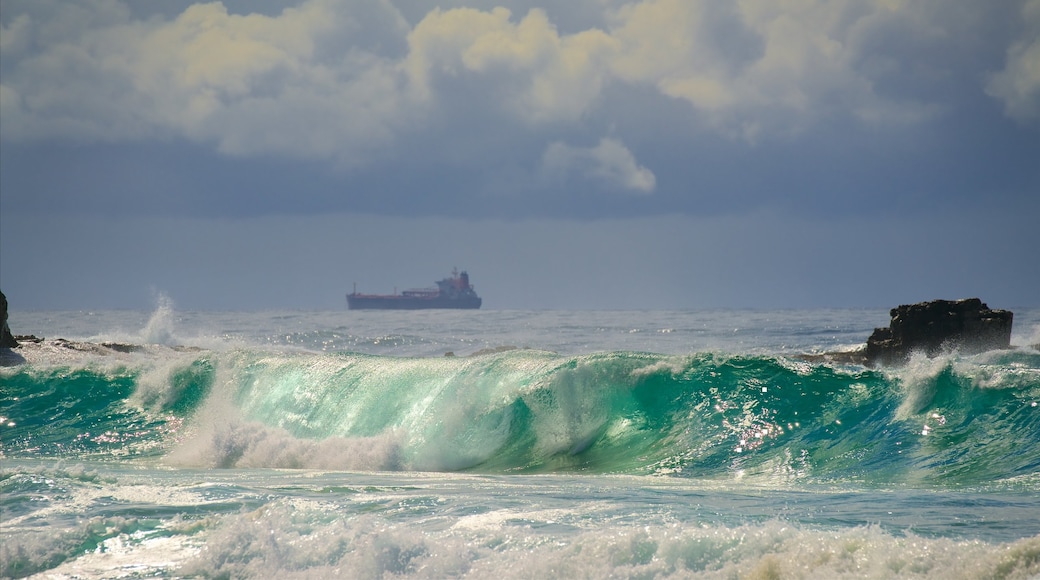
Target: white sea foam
(673, 367)
(242, 444)
(919, 382)
(344, 525)
(157, 387)
(138, 554)
(218, 436)
(286, 542)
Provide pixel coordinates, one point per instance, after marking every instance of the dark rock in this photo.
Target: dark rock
(122, 347)
(968, 326)
(102, 348)
(6, 338)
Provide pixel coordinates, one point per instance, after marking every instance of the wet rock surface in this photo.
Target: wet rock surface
(968, 326)
(7, 340)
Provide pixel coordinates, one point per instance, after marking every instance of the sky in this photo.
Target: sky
(590, 154)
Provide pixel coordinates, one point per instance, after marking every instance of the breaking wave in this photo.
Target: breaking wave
(946, 420)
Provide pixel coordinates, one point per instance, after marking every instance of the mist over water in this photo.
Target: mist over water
(659, 444)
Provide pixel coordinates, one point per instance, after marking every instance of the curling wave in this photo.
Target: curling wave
(946, 420)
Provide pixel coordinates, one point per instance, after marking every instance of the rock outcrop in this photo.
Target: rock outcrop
(968, 326)
(6, 338)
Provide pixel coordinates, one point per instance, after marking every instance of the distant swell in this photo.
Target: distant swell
(701, 415)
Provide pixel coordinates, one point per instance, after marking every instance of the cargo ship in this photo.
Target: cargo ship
(453, 292)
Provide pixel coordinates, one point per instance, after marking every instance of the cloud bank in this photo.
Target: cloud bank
(627, 97)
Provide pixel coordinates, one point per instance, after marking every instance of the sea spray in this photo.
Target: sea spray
(160, 326)
(177, 383)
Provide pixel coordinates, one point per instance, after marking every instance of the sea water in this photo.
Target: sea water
(506, 444)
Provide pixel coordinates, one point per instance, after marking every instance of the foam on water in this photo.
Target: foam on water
(287, 524)
(284, 452)
(505, 548)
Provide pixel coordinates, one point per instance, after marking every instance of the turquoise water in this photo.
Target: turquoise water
(627, 444)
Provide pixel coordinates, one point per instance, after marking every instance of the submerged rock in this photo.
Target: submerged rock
(968, 326)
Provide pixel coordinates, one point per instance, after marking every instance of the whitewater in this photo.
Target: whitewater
(511, 444)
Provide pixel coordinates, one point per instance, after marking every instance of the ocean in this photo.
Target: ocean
(509, 444)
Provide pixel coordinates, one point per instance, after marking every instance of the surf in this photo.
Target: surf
(709, 415)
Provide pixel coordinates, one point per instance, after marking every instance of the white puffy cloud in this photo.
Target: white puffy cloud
(250, 84)
(347, 80)
(760, 67)
(609, 162)
(1018, 84)
(541, 75)
(689, 49)
(58, 79)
